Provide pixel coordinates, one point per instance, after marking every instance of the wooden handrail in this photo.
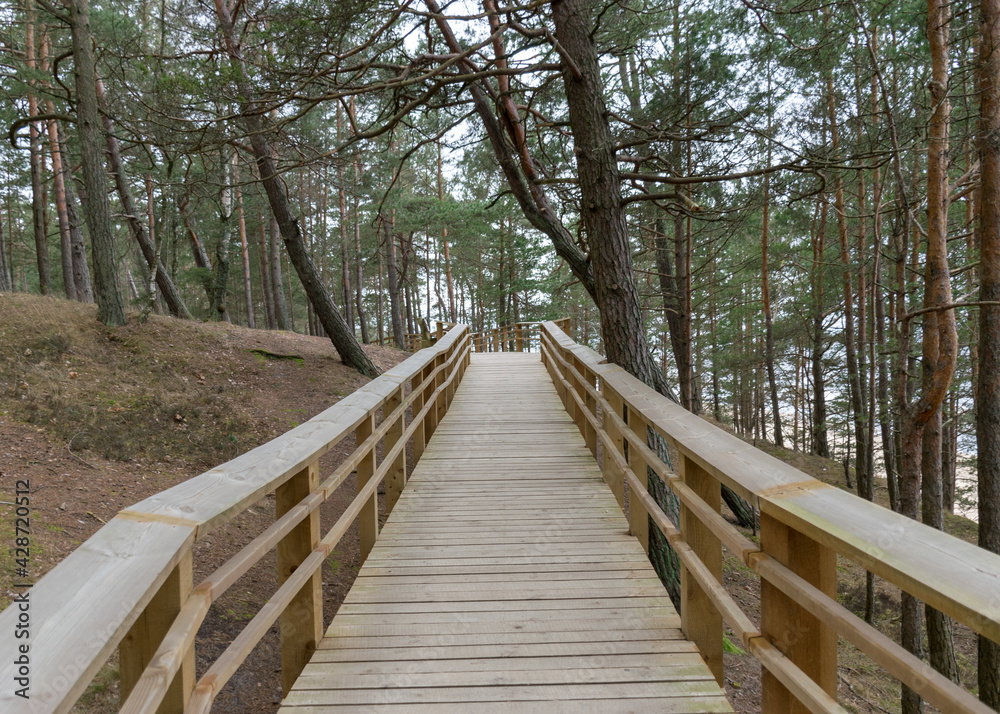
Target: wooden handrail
(950, 574)
(129, 584)
(515, 337)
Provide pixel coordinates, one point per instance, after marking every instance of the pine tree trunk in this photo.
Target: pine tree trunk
(444, 240)
(59, 185)
(81, 269)
(765, 290)
(107, 289)
(356, 221)
(333, 322)
(850, 338)
(266, 287)
(819, 431)
(282, 317)
(221, 267)
(949, 453)
(987, 395)
(395, 320)
(6, 283)
(247, 283)
(345, 267)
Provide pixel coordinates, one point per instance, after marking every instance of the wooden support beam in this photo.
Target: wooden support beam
(395, 477)
(419, 437)
(302, 622)
(578, 416)
(612, 472)
(368, 517)
(519, 337)
(701, 622)
(434, 413)
(591, 402)
(637, 518)
(800, 636)
(144, 637)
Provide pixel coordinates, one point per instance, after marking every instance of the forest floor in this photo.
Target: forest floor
(73, 395)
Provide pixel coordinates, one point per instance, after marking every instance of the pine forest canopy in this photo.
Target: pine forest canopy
(785, 216)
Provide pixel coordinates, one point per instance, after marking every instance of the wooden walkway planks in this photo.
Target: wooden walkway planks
(505, 579)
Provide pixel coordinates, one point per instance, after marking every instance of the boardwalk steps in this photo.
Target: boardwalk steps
(505, 578)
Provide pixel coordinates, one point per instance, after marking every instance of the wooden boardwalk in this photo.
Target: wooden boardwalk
(505, 579)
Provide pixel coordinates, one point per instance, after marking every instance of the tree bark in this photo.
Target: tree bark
(59, 184)
(6, 283)
(219, 306)
(241, 219)
(265, 275)
(819, 431)
(765, 292)
(602, 213)
(333, 322)
(110, 301)
(987, 394)
(850, 337)
(392, 273)
(444, 240)
(81, 269)
(282, 316)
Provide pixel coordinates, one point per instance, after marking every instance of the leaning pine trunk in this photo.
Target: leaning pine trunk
(107, 289)
(333, 322)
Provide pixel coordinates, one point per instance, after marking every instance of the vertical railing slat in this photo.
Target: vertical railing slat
(395, 477)
(302, 621)
(368, 517)
(800, 636)
(137, 648)
(613, 475)
(637, 519)
(701, 622)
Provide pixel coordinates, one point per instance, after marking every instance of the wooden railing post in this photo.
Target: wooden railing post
(302, 621)
(444, 397)
(700, 621)
(440, 329)
(139, 645)
(395, 477)
(591, 403)
(800, 636)
(368, 516)
(419, 437)
(496, 339)
(578, 417)
(613, 475)
(431, 419)
(638, 520)
(519, 337)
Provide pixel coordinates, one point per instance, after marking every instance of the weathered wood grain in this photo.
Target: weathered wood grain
(505, 573)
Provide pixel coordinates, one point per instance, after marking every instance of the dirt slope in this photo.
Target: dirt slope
(98, 419)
